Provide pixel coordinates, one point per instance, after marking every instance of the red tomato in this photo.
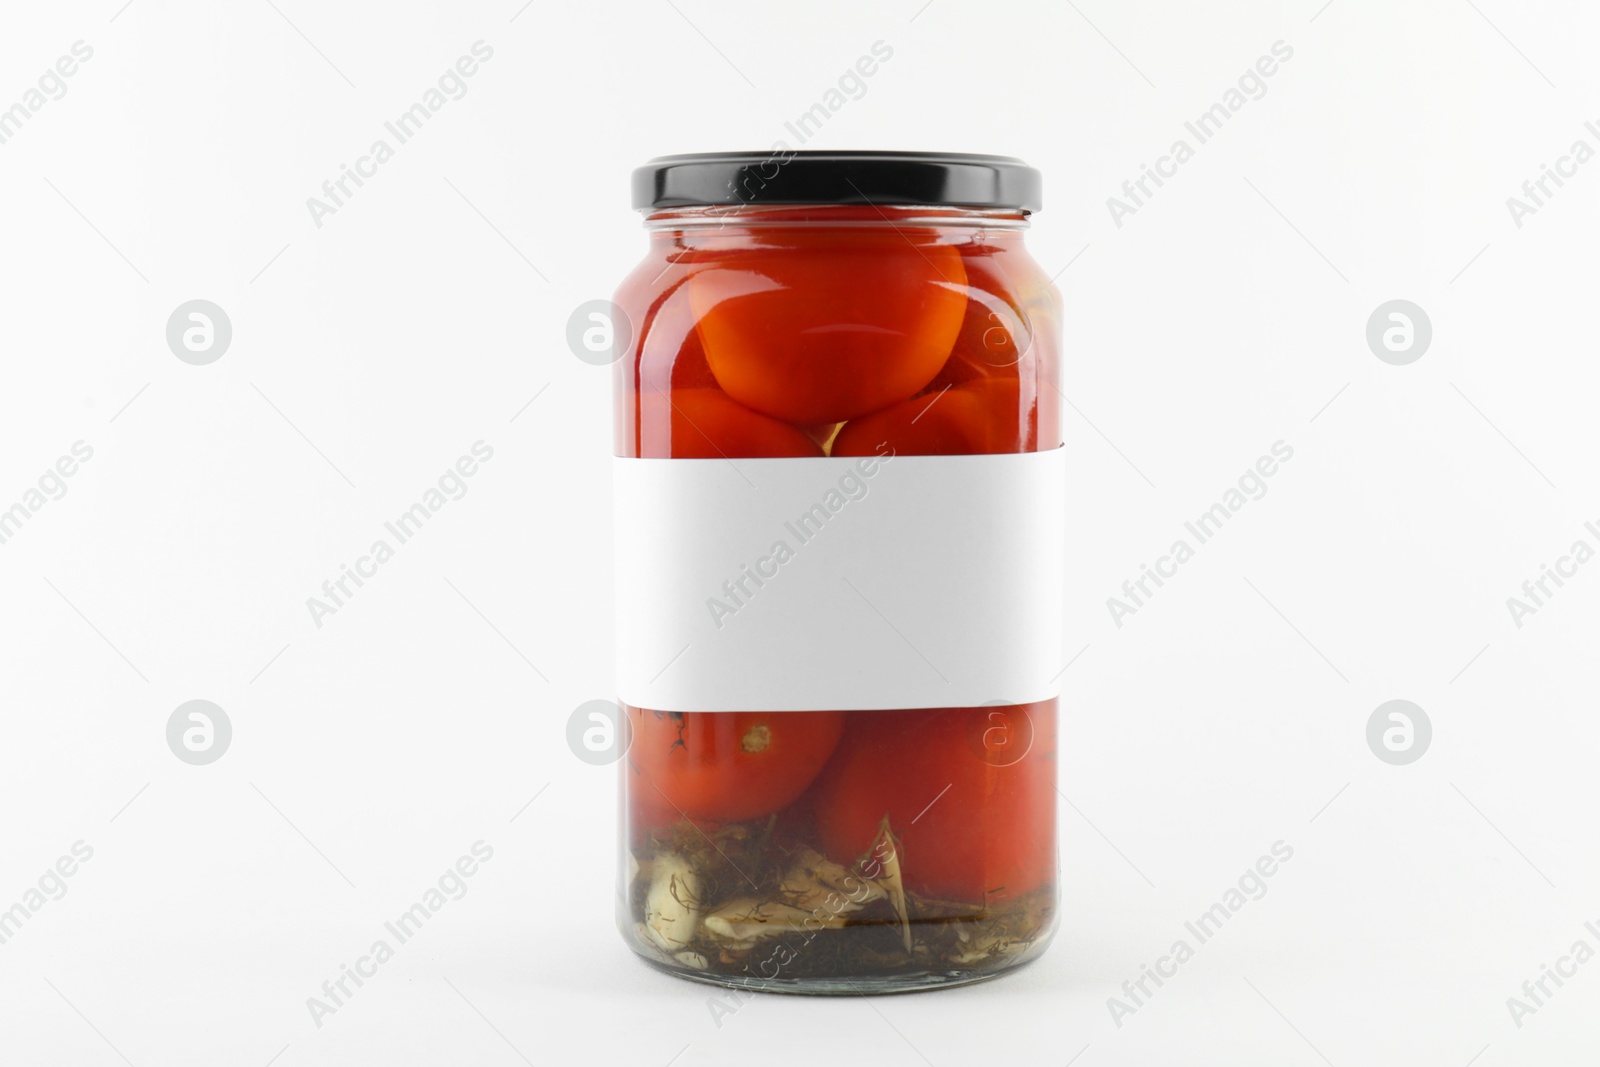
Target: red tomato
(983, 416)
(994, 338)
(689, 370)
(1000, 340)
(970, 792)
(830, 324)
(705, 424)
(726, 766)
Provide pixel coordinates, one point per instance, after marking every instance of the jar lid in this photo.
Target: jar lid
(781, 176)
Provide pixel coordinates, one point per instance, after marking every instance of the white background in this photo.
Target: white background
(370, 753)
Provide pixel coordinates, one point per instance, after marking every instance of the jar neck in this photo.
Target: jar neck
(745, 217)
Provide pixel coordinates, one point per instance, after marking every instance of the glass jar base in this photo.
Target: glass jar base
(861, 985)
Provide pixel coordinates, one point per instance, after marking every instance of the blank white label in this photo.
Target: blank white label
(838, 583)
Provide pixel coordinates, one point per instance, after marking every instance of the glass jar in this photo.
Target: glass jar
(840, 540)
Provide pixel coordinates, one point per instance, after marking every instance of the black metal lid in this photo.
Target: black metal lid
(928, 179)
